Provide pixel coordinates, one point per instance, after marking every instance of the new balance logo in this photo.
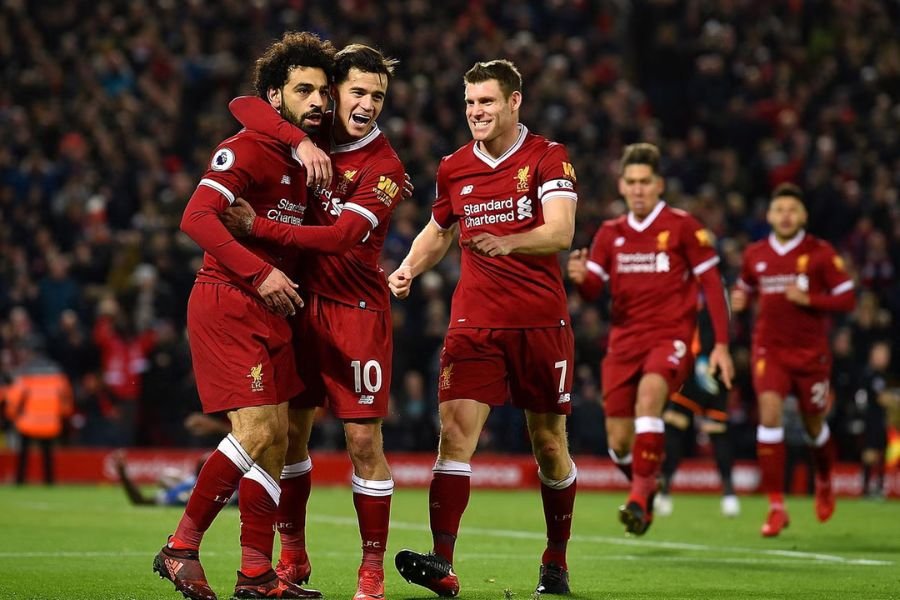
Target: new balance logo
(286, 179)
(467, 189)
(563, 398)
(366, 399)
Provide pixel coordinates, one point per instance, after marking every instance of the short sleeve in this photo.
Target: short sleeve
(600, 256)
(378, 192)
(442, 209)
(837, 281)
(230, 169)
(556, 175)
(699, 248)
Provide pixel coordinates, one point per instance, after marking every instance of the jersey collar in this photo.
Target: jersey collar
(494, 163)
(357, 144)
(648, 220)
(782, 249)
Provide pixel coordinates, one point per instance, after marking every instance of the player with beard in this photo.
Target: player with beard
(344, 335)
(800, 282)
(237, 324)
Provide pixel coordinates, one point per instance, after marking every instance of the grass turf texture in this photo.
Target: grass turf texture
(78, 543)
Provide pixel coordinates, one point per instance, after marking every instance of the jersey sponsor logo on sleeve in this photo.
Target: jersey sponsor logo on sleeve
(569, 171)
(704, 237)
(255, 376)
(386, 190)
(662, 241)
(521, 178)
(222, 160)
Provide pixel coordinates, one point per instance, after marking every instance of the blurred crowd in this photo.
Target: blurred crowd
(109, 111)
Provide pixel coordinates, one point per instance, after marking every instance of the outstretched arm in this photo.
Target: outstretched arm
(714, 292)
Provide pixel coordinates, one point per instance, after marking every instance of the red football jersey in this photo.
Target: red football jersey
(651, 268)
(262, 171)
(368, 180)
(503, 197)
(810, 263)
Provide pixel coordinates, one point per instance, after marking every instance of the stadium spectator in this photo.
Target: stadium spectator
(872, 398)
(348, 314)
(495, 349)
(239, 336)
(654, 260)
(799, 281)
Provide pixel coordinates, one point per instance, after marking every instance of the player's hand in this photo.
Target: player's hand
(408, 188)
(238, 218)
(280, 294)
(400, 281)
(739, 300)
(488, 245)
(576, 268)
(317, 163)
(720, 363)
(796, 295)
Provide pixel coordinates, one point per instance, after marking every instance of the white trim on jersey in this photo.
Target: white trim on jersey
(648, 220)
(844, 287)
(363, 211)
(357, 144)
(597, 270)
(494, 163)
(219, 188)
(705, 266)
(782, 249)
(558, 194)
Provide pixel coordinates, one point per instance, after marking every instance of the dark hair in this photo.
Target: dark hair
(294, 49)
(504, 71)
(362, 57)
(641, 154)
(788, 190)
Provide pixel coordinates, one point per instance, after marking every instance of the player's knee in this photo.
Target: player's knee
(362, 444)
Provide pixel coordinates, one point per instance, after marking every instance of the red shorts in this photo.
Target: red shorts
(533, 367)
(241, 351)
(671, 359)
(344, 356)
(809, 383)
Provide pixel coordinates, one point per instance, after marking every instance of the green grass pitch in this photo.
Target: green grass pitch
(78, 543)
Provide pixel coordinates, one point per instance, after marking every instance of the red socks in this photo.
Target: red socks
(447, 501)
(296, 481)
(558, 498)
(372, 500)
(216, 483)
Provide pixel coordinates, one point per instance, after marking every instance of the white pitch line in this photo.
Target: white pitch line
(643, 543)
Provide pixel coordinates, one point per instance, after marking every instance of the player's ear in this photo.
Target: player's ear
(273, 95)
(515, 100)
